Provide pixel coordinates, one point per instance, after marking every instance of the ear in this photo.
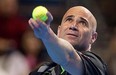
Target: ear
(58, 30)
(94, 37)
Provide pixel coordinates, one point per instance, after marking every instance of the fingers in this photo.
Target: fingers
(33, 23)
(50, 18)
(30, 24)
(39, 27)
(37, 24)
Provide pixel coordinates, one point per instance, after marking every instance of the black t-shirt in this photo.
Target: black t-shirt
(93, 65)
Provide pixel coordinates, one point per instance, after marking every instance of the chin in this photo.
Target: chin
(72, 42)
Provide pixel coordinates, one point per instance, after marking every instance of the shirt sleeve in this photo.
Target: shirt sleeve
(93, 64)
(45, 69)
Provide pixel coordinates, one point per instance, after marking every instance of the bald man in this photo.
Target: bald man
(70, 49)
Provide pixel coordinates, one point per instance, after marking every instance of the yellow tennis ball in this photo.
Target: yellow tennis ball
(40, 12)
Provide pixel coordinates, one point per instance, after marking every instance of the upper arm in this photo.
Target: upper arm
(74, 64)
(85, 64)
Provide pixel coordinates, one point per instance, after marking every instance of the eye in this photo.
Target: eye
(69, 19)
(83, 23)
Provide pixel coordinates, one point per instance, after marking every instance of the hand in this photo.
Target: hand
(41, 29)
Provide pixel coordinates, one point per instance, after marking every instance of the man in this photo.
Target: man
(71, 47)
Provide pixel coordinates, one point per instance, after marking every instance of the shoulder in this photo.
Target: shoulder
(91, 57)
(93, 64)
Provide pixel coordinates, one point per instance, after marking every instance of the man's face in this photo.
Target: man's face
(76, 27)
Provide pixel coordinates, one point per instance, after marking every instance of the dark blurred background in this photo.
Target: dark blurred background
(17, 37)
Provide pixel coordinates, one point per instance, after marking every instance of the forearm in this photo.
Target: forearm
(63, 53)
(58, 49)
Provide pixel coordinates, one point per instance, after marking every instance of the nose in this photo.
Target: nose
(73, 27)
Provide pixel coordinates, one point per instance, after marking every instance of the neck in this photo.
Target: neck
(83, 48)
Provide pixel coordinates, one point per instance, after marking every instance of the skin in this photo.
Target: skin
(76, 32)
(78, 23)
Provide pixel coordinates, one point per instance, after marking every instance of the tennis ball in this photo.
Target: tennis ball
(40, 12)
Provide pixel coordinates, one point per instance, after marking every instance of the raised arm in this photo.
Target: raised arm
(60, 50)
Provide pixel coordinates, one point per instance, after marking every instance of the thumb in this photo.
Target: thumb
(50, 18)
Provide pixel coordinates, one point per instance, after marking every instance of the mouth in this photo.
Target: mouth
(73, 35)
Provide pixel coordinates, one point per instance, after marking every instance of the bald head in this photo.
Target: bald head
(78, 27)
(82, 11)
